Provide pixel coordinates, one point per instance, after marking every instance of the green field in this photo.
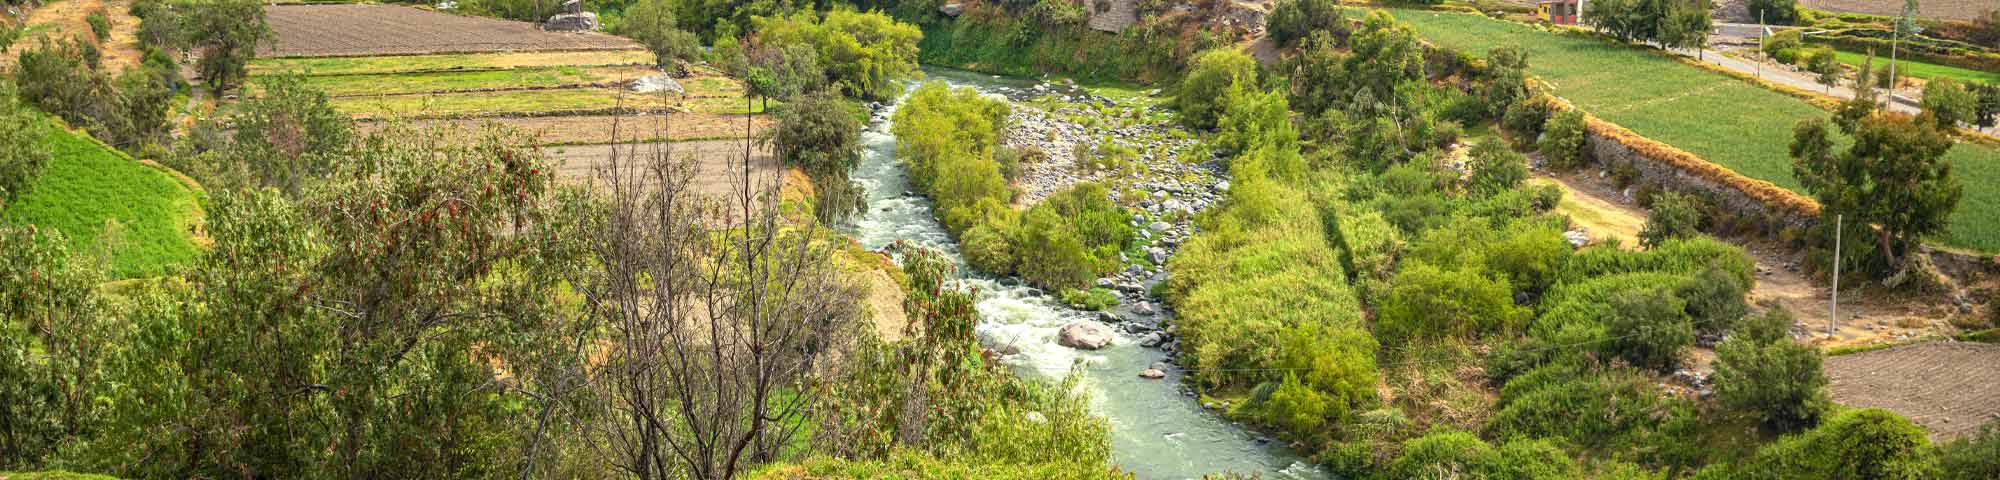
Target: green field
(1921, 70)
(446, 62)
(524, 102)
(472, 80)
(86, 185)
(1728, 121)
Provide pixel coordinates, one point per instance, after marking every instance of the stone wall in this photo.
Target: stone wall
(1118, 14)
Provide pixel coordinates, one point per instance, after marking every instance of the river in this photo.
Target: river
(1157, 431)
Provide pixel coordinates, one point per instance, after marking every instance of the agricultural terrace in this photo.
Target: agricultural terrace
(381, 62)
(1918, 69)
(88, 189)
(1733, 123)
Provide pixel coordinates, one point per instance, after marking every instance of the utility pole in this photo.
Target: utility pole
(1762, 31)
(1833, 317)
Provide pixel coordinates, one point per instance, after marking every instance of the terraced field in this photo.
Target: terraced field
(89, 191)
(363, 30)
(1948, 387)
(1733, 123)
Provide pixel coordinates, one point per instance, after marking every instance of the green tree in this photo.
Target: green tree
(652, 23)
(53, 337)
(1824, 66)
(820, 135)
(287, 137)
(1762, 373)
(1562, 140)
(1506, 79)
(1208, 83)
(1295, 20)
(1973, 456)
(1674, 215)
(1948, 103)
(226, 33)
(866, 55)
(1988, 110)
(21, 154)
(1385, 54)
(1861, 443)
(1894, 178)
(1780, 12)
(784, 72)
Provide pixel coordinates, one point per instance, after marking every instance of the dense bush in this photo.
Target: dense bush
(947, 136)
(100, 26)
(1649, 328)
(866, 55)
(1971, 457)
(1448, 454)
(1428, 302)
(1785, 46)
(1685, 257)
(1862, 443)
(820, 135)
(1525, 119)
(63, 79)
(1949, 103)
(1762, 373)
(1292, 20)
(1562, 140)
(652, 24)
(1675, 215)
(1208, 83)
(287, 137)
(1601, 409)
(22, 154)
(1494, 169)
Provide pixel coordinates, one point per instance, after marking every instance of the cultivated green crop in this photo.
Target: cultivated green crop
(1725, 120)
(87, 186)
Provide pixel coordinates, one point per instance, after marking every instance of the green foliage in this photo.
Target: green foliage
(62, 79)
(1257, 125)
(1648, 328)
(1385, 54)
(1824, 66)
(1947, 103)
(1612, 411)
(1209, 80)
(1676, 23)
(652, 23)
(1762, 373)
(1050, 254)
(1856, 183)
(1494, 169)
(1318, 73)
(1684, 257)
(1562, 140)
(1446, 454)
(1427, 302)
(1526, 119)
(1506, 79)
(948, 136)
(50, 345)
(784, 72)
(22, 156)
(866, 55)
(1779, 12)
(1369, 244)
(227, 32)
(820, 135)
(1294, 20)
(1094, 299)
(1971, 457)
(288, 137)
(1528, 256)
(1675, 216)
(1714, 300)
(1861, 443)
(100, 26)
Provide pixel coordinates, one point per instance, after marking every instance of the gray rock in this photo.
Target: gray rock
(1152, 339)
(952, 10)
(1145, 308)
(571, 22)
(663, 83)
(1156, 255)
(1104, 282)
(1085, 334)
(1152, 374)
(1108, 317)
(1159, 226)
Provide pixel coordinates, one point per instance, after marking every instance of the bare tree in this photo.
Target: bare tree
(719, 316)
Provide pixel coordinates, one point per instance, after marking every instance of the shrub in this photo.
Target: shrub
(1674, 215)
(1092, 300)
(1684, 257)
(819, 135)
(1784, 46)
(1050, 255)
(1292, 20)
(1562, 140)
(1608, 411)
(22, 154)
(1780, 12)
(100, 26)
(1949, 103)
(1972, 457)
(1862, 443)
(1208, 83)
(1442, 455)
(1495, 169)
(987, 247)
(1369, 244)
(867, 55)
(1426, 302)
(1714, 300)
(1648, 328)
(1525, 119)
(1529, 257)
(1762, 373)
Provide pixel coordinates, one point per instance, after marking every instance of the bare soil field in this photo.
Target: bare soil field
(1947, 9)
(1950, 388)
(598, 129)
(62, 19)
(358, 30)
(718, 164)
(449, 62)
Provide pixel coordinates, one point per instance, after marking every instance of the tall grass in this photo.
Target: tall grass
(88, 186)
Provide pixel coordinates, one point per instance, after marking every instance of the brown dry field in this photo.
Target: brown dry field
(597, 129)
(718, 164)
(65, 19)
(1950, 388)
(1947, 9)
(354, 30)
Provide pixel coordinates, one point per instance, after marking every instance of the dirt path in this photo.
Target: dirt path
(1948, 387)
(62, 19)
(1592, 211)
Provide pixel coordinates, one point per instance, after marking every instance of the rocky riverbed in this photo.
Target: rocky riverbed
(1161, 176)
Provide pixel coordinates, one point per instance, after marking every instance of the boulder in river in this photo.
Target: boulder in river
(1152, 374)
(1085, 334)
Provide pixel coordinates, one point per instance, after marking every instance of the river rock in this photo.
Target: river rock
(1085, 334)
(951, 9)
(1144, 308)
(1159, 226)
(1008, 349)
(1152, 374)
(1108, 317)
(1106, 282)
(1152, 339)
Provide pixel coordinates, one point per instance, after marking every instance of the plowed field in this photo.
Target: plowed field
(1948, 387)
(356, 30)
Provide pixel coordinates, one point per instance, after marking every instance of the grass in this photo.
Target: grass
(472, 80)
(87, 185)
(1912, 68)
(446, 62)
(1731, 122)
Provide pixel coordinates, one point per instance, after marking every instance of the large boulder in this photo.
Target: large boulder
(1085, 334)
(571, 22)
(951, 9)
